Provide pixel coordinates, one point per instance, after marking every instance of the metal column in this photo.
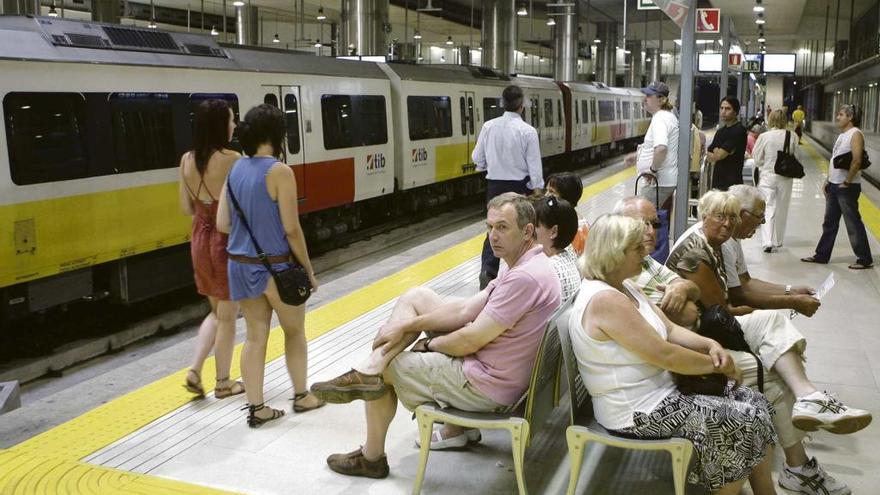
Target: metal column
(606, 52)
(635, 69)
(20, 7)
(652, 64)
(362, 28)
(106, 11)
(684, 119)
(247, 25)
(565, 68)
(498, 36)
(725, 49)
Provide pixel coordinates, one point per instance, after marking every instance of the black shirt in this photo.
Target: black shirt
(729, 171)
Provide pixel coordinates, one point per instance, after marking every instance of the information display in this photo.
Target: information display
(779, 63)
(751, 62)
(709, 62)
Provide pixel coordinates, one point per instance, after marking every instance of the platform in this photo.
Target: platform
(126, 431)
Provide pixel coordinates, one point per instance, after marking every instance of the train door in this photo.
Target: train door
(469, 123)
(287, 99)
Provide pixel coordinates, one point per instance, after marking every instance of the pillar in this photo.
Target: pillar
(247, 25)
(499, 35)
(20, 7)
(105, 11)
(565, 68)
(635, 69)
(606, 52)
(652, 64)
(361, 31)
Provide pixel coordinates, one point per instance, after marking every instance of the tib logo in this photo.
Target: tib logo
(375, 162)
(419, 155)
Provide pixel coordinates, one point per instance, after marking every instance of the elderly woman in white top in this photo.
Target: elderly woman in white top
(627, 350)
(776, 188)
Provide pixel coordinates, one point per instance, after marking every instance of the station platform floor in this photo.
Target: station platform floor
(131, 428)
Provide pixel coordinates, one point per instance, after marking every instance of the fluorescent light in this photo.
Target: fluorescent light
(758, 8)
(238, 3)
(321, 15)
(597, 41)
(417, 35)
(152, 25)
(759, 21)
(522, 11)
(214, 31)
(762, 39)
(551, 22)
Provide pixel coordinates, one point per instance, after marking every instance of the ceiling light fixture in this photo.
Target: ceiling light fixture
(551, 22)
(276, 39)
(449, 40)
(318, 44)
(152, 25)
(758, 7)
(597, 41)
(321, 15)
(52, 12)
(522, 11)
(760, 19)
(417, 35)
(238, 3)
(214, 31)
(762, 39)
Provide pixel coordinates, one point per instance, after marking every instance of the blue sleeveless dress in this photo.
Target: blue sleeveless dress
(247, 180)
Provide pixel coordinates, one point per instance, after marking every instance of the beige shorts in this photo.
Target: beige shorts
(770, 335)
(431, 377)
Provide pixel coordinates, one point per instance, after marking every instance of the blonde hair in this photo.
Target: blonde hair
(777, 119)
(610, 237)
(716, 201)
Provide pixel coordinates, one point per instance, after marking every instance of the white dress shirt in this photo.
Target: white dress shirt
(508, 149)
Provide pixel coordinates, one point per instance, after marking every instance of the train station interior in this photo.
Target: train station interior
(383, 103)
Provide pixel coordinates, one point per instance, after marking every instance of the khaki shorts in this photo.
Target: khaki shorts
(431, 377)
(770, 335)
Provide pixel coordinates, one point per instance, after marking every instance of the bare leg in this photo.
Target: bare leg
(225, 340)
(791, 368)
(257, 314)
(380, 413)
(731, 488)
(204, 340)
(760, 479)
(412, 303)
(796, 455)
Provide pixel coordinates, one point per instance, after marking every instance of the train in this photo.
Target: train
(96, 117)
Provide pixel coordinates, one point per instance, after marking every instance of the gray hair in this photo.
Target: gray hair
(525, 212)
(748, 196)
(720, 202)
(853, 112)
(626, 203)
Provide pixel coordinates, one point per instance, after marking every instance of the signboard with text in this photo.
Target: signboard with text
(751, 62)
(647, 5)
(708, 21)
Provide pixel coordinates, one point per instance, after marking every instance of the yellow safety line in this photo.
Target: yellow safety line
(94, 430)
(869, 211)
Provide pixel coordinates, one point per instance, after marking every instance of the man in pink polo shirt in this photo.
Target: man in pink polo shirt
(478, 353)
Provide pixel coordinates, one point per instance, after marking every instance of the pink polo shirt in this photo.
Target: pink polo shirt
(523, 299)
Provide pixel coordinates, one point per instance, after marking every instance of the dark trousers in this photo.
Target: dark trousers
(843, 201)
(489, 263)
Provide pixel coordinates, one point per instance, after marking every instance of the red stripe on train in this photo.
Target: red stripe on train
(326, 184)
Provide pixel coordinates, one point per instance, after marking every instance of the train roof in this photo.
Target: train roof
(594, 87)
(466, 75)
(52, 39)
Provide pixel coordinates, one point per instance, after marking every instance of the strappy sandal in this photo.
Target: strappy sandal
(194, 387)
(302, 409)
(255, 421)
(860, 266)
(231, 388)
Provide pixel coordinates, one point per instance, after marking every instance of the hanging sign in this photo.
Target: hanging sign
(675, 9)
(734, 60)
(647, 5)
(708, 21)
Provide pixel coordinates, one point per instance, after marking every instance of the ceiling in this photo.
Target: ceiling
(790, 23)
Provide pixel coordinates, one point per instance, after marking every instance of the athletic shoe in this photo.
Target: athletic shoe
(470, 435)
(822, 410)
(811, 479)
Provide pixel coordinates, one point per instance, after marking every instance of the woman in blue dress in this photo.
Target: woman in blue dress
(266, 191)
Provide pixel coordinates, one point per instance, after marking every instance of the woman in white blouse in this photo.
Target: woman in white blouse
(776, 188)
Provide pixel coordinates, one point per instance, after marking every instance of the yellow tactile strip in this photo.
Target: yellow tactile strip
(869, 211)
(26, 474)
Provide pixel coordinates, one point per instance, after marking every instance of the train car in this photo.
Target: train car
(95, 118)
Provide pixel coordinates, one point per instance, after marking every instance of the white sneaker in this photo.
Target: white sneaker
(470, 435)
(823, 410)
(811, 479)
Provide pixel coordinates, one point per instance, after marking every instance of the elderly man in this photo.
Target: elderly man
(800, 473)
(478, 353)
(742, 287)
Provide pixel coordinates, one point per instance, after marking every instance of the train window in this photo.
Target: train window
(470, 115)
(46, 135)
(593, 111)
(619, 112)
(429, 117)
(463, 113)
(143, 130)
(606, 110)
(536, 113)
(548, 113)
(577, 115)
(627, 112)
(492, 108)
(271, 99)
(291, 121)
(559, 113)
(356, 120)
(585, 110)
(195, 99)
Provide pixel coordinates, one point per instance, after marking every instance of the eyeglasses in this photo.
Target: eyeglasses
(721, 217)
(762, 217)
(655, 224)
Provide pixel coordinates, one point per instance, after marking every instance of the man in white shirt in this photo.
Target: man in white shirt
(509, 151)
(658, 154)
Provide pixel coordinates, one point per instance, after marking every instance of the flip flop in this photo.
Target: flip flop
(859, 266)
(812, 259)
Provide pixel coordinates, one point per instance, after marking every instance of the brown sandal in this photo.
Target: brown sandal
(194, 387)
(255, 421)
(302, 409)
(231, 388)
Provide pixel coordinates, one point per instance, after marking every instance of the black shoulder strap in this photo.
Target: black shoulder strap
(260, 253)
(785, 146)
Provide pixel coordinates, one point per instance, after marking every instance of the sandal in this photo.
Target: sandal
(812, 259)
(860, 266)
(194, 387)
(255, 421)
(231, 388)
(302, 409)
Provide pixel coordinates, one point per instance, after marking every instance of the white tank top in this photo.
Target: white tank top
(620, 382)
(841, 146)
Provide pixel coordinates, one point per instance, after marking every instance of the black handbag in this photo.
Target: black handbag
(845, 160)
(787, 165)
(719, 325)
(294, 285)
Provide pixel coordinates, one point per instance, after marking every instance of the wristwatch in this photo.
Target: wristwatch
(788, 290)
(429, 339)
